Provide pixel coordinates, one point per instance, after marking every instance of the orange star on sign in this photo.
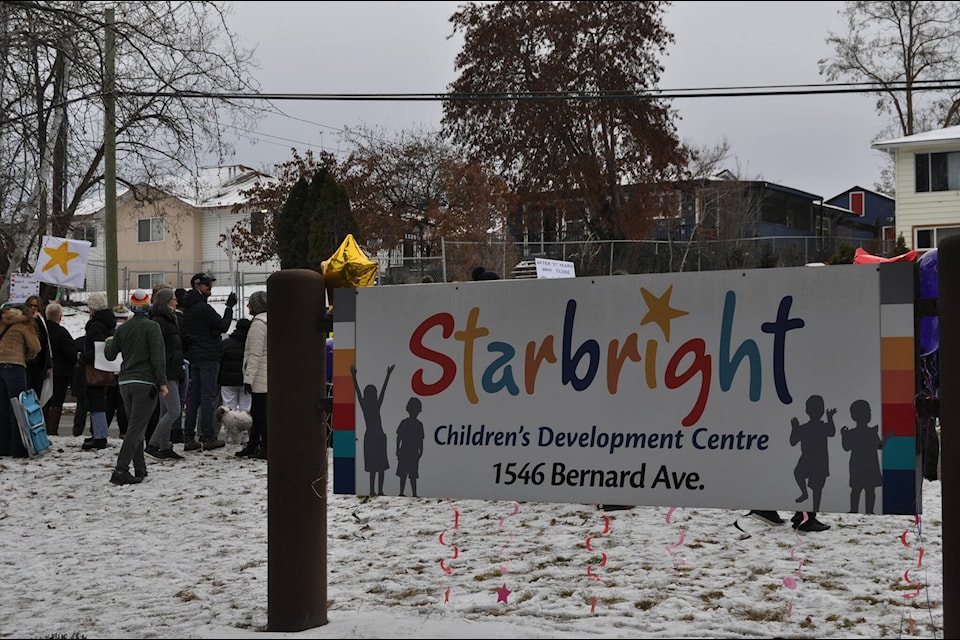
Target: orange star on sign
(60, 256)
(660, 310)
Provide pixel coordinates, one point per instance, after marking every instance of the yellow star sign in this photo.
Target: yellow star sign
(659, 310)
(60, 256)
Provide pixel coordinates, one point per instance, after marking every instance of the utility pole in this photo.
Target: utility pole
(110, 156)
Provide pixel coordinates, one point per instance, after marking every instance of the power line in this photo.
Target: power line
(590, 95)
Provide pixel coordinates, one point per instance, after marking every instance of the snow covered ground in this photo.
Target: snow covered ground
(184, 555)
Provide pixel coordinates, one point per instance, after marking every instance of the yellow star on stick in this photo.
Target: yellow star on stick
(660, 310)
(60, 256)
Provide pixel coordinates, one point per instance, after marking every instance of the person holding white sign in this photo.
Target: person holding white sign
(101, 325)
(40, 369)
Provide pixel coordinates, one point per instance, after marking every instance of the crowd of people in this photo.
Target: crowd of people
(177, 365)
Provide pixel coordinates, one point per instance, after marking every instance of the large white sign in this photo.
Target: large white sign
(758, 389)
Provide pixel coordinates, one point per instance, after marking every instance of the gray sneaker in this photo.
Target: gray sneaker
(212, 443)
(191, 445)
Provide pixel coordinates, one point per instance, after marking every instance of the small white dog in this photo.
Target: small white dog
(236, 422)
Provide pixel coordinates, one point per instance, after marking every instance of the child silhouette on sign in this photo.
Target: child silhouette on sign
(410, 446)
(374, 439)
(863, 442)
(814, 465)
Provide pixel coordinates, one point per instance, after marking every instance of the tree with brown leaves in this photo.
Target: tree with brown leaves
(557, 96)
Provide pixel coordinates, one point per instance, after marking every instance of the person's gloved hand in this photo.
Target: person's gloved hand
(231, 300)
(248, 388)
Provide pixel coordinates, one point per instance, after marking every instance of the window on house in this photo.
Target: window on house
(937, 171)
(148, 280)
(258, 222)
(930, 237)
(150, 230)
(86, 232)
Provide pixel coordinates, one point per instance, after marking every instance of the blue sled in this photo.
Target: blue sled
(33, 429)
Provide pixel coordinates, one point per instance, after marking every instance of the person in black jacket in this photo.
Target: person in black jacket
(203, 328)
(232, 393)
(41, 367)
(80, 414)
(101, 325)
(64, 357)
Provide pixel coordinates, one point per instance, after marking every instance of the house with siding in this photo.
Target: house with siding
(165, 234)
(927, 169)
(864, 213)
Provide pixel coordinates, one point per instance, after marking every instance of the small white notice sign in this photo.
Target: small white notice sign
(555, 269)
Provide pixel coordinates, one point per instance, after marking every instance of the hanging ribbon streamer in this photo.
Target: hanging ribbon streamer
(906, 574)
(454, 548)
(791, 581)
(503, 592)
(516, 510)
(676, 569)
(603, 557)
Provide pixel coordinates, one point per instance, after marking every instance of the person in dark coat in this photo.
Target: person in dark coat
(203, 328)
(232, 393)
(163, 312)
(101, 325)
(41, 367)
(115, 408)
(80, 414)
(64, 357)
(481, 273)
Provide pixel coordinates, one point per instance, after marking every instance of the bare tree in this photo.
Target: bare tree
(396, 182)
(907, 49)
(170, 57)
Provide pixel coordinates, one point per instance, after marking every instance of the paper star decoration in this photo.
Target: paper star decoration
(60, 256)
(660, 310)
(503, 593)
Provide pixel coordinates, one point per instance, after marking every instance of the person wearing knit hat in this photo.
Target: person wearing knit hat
(255, 376)
(257, 302)
(97, 302)
(139, 301)
(143, 372)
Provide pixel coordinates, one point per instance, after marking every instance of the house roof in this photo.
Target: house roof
(864, 189)
(936, 138)
(210, 187)
(215, 186)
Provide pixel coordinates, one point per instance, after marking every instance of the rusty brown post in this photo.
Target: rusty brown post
(948, 305)
(297, 451)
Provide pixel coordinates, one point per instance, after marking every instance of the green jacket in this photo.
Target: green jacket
(140, 342)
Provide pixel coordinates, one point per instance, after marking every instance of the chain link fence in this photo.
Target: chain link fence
(453, 261)
(606, 257)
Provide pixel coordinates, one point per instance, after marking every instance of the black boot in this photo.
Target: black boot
(248, 450)
(94, 443)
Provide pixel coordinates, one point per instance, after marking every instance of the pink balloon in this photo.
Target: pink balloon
(789, 583)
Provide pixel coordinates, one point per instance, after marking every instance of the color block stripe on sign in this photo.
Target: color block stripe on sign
(898, 388)
(344, 407)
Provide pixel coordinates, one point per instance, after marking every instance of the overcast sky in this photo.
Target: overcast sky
(819, 144)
